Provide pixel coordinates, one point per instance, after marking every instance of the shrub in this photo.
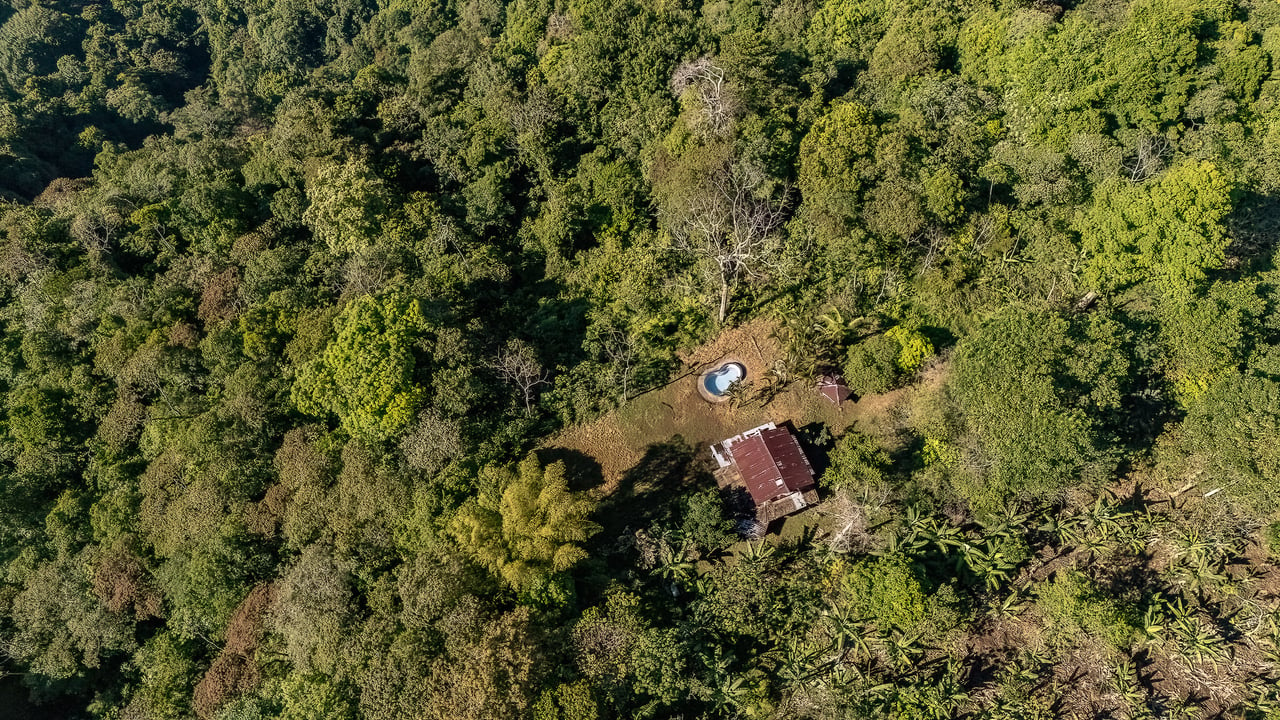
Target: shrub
(856, 462)
(914, 348)
(1071, 604)
(872, 366)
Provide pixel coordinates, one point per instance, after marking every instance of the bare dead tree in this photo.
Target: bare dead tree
(432, 441)
(517, 363)
(619, 345)
(852, 515)
(96, 228)
(559, 27)
(731, 225)
(711, 90)
(1148, 157)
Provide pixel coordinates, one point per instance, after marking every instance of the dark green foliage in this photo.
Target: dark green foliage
(288, 290)
(705, 524)
(871, 366)
(1030, 431)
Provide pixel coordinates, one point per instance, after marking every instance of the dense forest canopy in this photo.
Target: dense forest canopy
(295, 296)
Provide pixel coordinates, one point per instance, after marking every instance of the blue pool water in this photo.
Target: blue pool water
(718, 381)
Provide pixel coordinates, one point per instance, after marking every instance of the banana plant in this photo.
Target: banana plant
(1009, 607)
(1155, 624)
(1124, 680)
(902, 650)
(674, 566)
(1103, 519)
(801, 664)
(848, 633)
(756, 554)
(1007, 524)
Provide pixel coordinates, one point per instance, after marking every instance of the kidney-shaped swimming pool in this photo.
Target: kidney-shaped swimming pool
(717, 381)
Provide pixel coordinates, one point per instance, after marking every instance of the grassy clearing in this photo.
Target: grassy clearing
(619, 440)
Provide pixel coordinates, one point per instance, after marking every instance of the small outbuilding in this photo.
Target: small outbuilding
(833, 388)
(768, 462)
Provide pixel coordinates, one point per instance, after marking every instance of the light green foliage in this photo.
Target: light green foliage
(913, 45)
(857, 463)
(312, 609)
(1271, 536)
(848, 28)
(916, 348)
(1149, 61)
(1071, 604)
(1231, 431)
(167, 674)
(347, 204)
(365, 375)
(533, 530)
(61, 630)
(881, 362)
(887, 592)
(1169, 229)
(1099, 366)
(1205, 338)
(943, 195)
(569, 701)
(871, 367)
(314, 697)
(836, 164)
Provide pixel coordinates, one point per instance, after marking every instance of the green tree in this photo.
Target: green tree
(1032, 437)
(1170, 229)
(315, 697)
(871, 366)
(312, 610)
(704, 523)
(857, 463)
(837, 163)
(530, 528)
(365, 375)
(60, 629)
(347, 205)
(1230, 435)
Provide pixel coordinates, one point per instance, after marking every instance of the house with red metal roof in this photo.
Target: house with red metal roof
(769, 463)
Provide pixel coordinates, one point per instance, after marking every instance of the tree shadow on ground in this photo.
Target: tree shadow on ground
(651, 492)
(817, 442)
(1255, 224)
(582, 471)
